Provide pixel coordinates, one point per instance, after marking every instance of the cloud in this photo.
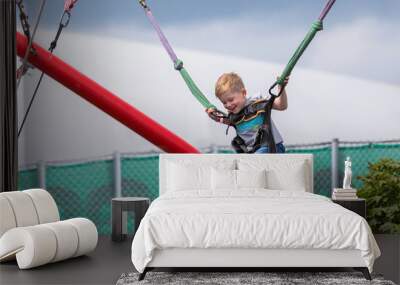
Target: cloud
(364, 47)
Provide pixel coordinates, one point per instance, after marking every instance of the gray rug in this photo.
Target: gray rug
(244, 278)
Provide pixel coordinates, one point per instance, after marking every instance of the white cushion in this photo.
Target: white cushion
(7, 218)
(187, 175)
(287, 179)
(26, 208)
(182, 177)
(251, 178)
(67, 240)
(281, 174)
(87, 233)
(45, 205)
(23, 208)
(223, 179)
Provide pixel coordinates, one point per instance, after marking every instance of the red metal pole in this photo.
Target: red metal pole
(104, 99)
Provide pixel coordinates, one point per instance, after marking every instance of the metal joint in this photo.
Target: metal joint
(178, 65)
(143, 3)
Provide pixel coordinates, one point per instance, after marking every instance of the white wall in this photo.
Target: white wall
(63, 126)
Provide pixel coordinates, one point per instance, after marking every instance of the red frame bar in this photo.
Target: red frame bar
(106, 101)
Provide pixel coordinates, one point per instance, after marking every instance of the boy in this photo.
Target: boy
(247, 115)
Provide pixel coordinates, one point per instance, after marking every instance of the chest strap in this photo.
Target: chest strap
(264, 136)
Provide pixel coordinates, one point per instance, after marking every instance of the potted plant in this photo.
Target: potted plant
(381, 189)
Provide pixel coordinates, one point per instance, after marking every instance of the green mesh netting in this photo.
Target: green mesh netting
(85, 189)
(28, 179)
(140, 176)
(139, 179)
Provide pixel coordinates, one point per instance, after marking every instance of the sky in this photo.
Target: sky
(360, 38)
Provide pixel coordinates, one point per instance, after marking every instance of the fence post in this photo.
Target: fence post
(117, 175)
(214, 148)
(41, 168)
(334, 163)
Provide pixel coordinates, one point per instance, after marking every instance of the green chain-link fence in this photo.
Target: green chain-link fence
(28, 178)
(85, 189)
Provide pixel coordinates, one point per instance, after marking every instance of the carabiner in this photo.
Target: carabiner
(272, 87)
(65, 21)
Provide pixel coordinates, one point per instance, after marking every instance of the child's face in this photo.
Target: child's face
(234, 102)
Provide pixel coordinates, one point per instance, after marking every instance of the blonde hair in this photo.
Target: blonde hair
(228, 82)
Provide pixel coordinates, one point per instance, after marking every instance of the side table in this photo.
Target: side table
(120, 206)
(358, 205)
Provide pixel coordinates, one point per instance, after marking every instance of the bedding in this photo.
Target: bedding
(250, 218)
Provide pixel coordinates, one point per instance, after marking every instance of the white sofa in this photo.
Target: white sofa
(31, 231)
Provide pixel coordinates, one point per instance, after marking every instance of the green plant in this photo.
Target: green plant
(381, 189)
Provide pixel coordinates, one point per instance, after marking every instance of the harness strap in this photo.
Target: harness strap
(267, 133)
(315, 27)
(178, 64)
(249, 112)
(239, 145)
(264, 136)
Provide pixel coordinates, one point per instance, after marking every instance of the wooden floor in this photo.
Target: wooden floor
(103, 266)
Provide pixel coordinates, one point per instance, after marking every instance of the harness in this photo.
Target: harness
(264, 135)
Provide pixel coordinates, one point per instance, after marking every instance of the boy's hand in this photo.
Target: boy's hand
(216, 115)
(281, 103)
(211, 114)
(284, 83)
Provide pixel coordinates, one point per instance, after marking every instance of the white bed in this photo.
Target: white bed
(240, 210)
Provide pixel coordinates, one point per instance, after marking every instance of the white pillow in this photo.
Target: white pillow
(186, 174)
(188, 177)
(251, 178)
(281, 174)
(225, 179)
(292, 179)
